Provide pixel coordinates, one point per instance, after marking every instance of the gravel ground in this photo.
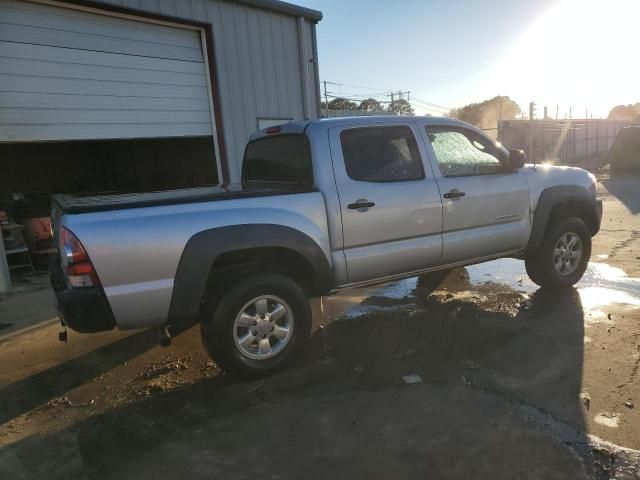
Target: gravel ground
(487, 377)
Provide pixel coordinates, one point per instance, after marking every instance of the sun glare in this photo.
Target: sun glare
(578, 53)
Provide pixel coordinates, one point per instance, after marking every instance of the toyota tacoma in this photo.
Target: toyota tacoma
(323, 206)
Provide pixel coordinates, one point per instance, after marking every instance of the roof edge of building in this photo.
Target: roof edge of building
(284, 7)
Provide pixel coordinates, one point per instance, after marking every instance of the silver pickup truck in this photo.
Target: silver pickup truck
(323, 206)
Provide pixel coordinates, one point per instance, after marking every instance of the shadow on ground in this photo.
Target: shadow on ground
(33, 391)
(488, 361)
(625, 188)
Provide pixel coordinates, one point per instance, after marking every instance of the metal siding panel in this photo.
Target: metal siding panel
(69, 86)
(222, 55)
(292, 81)
(10, 50)
(33, 133)
(258, 70)
(74, 116)
(281, 70)
(54, 86)
(271, 58)
(57, 69)
(231, 101)
(267, 68)
(257, 65)
(103, 102)
(38, 35)
(68, 20)
(247, 74)
(313, 66)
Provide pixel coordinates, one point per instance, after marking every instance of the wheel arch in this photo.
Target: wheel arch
(225, 253)
(560, 202)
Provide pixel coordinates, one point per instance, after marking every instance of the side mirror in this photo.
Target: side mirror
(517, 159)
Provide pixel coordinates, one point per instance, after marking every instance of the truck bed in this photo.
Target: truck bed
(101, 203)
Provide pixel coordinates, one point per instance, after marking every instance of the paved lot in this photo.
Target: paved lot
(510, 381)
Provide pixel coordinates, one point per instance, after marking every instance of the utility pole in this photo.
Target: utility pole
(570, 117)
(532, 113)
(400, 95)
(545, 113)
(499, 117)
(557, 111)
(326, 100)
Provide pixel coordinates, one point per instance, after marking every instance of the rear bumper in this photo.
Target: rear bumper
(84, 310)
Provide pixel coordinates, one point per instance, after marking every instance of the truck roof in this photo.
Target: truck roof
(299, 127)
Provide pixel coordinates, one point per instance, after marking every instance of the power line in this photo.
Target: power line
(386, 92)
(360, 86)
(431, 104)
(386, 98)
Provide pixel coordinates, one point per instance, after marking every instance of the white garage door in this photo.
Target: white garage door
(67, 74)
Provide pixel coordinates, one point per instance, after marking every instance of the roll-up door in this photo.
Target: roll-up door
(67, 74)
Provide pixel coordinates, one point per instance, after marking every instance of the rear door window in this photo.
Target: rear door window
(278, 160)
(381, 154)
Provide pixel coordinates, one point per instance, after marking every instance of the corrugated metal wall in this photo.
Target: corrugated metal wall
(258, 62)
(72, 75)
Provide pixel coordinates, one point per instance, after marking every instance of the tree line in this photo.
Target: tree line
(483, 114)
(627, 113)
(398, 107)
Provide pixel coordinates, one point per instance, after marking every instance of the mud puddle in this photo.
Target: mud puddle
(503, 284)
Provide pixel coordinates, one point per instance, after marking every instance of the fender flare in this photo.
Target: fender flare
(551, 197)
(202, 250)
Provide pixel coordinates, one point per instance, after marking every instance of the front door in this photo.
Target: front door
(486, 206)
(389, 202)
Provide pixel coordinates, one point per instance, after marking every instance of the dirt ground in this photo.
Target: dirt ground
(487, 377)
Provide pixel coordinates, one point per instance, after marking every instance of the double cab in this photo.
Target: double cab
(322, 206)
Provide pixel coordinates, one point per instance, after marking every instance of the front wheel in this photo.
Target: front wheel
(259, 326)
(563, 256)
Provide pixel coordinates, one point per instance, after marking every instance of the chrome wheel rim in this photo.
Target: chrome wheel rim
(567, 253)
(263, 327)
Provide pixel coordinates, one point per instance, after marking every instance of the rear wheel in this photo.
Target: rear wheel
(563, 256)
(259, 326)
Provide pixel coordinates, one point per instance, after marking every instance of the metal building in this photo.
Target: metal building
(80, 70)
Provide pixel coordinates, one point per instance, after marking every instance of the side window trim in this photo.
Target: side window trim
(419, 158)
(425, 127)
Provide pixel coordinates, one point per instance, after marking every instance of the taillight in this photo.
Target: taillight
(75, 261)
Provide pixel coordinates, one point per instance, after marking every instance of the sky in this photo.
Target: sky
(578, 54)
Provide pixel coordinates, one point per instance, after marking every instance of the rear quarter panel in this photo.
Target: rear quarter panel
(136, 251)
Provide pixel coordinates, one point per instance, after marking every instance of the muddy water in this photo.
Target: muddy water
(503, 282)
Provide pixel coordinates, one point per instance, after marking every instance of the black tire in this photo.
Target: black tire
(540, 264)
(218, 329)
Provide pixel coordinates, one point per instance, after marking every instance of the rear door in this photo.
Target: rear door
(486, 207)
(389, 202)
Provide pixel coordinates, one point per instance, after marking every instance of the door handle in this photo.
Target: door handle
(454, 194)
(361, 203)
